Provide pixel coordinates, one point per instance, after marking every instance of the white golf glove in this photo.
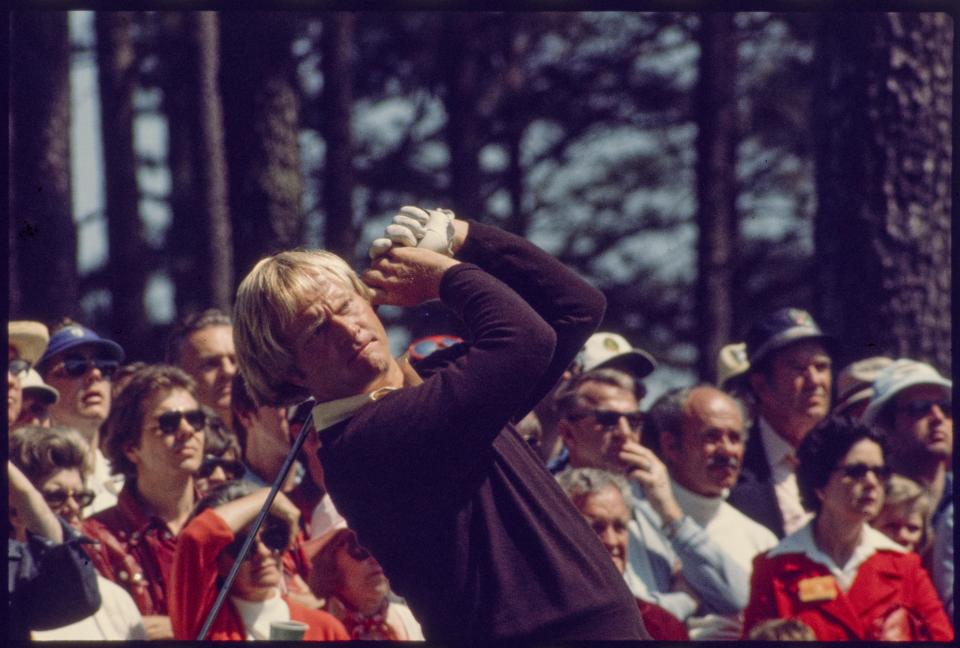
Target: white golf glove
(417, 227)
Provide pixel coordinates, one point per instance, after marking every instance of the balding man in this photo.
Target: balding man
(673, 562)
(701, 437)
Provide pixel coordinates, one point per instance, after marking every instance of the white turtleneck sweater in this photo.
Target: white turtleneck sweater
(739, 536)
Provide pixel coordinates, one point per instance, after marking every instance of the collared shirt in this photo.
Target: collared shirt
(803, 542)
(136, 550)
(781, 458)
(106, 487)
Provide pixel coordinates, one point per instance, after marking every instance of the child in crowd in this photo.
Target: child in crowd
(905, 515)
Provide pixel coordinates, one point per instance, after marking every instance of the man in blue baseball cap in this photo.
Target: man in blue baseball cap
(78, 363)
(791, 378)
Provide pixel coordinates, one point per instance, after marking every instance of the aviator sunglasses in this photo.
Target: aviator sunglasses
(57, 498)
(274, 535)
(76, 367)
(169, 422)
(231, 467)
(609, 419)
(919, 408)
(859, 470)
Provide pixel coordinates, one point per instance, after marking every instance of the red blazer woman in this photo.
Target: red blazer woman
(891, 597)
(193, 589)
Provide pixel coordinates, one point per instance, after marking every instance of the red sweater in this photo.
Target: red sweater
(891, 590)
(193, 589)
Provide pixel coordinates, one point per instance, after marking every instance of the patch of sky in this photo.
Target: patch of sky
(91, 244)
(155, 216)
(95, 305)
(493, 158)
(383, 123)
(158, 298)
(431, 155)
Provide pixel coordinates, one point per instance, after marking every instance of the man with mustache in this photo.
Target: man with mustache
(701, 438)
(78, 363)
(790, 377)
(672, 560)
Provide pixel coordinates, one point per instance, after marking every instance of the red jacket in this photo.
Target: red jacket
(891, 597)
(193, 589)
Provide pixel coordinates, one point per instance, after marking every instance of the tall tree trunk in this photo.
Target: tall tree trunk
(716, 186)
(187, 236)
(884, 183)
(460, 62)
(117, 63)
(44, 281)
(340, 234)
(211, 160)
(262, 125)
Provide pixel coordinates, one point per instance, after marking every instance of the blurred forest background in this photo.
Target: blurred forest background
(699, 168)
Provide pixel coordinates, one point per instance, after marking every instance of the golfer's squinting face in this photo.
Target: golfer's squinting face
(340, 345)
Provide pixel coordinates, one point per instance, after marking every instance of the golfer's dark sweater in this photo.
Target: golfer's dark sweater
(469, 526)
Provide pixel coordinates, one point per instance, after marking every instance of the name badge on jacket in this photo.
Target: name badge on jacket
(817, 588)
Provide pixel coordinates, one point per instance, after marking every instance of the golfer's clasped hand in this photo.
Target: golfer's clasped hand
(430, 229)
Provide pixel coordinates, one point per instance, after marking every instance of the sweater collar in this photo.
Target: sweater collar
(699, 507)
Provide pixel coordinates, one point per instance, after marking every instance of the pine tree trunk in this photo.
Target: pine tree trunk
(716, 187)
(459, 59)
(340, 234)
(211, 161)
(262, 124)
(883, 182)
(117, 62)
(44, 281)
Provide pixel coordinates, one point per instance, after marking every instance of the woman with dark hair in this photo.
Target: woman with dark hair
(56, 461)
(837, 574)
(207, 549)
(356, 591)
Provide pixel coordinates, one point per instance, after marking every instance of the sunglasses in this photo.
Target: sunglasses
(169, 422)
(274, 535)
(859, 470)
(57, 498)
(426, 346)
(231, 467)
(610, 419)
(18, 367)
(76, 367)
(919, 408)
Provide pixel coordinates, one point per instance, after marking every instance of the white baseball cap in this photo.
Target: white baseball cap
(605, 349)
(896, 377)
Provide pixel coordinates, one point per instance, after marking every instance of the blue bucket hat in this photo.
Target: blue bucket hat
(74, 335)
(780, 328)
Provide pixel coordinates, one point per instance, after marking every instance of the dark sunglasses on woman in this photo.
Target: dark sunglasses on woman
(59, 497)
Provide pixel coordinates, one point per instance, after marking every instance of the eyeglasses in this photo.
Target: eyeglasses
(919, 408)
(18, 367)
(76, 367)
(169, 422)
(57, 498)
(275, 535)
(609, 418)
(232, 468)
(859, 470)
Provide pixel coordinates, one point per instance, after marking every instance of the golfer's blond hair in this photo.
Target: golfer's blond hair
(267, 302)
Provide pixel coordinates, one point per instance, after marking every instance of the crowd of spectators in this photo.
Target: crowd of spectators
(777, 503)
